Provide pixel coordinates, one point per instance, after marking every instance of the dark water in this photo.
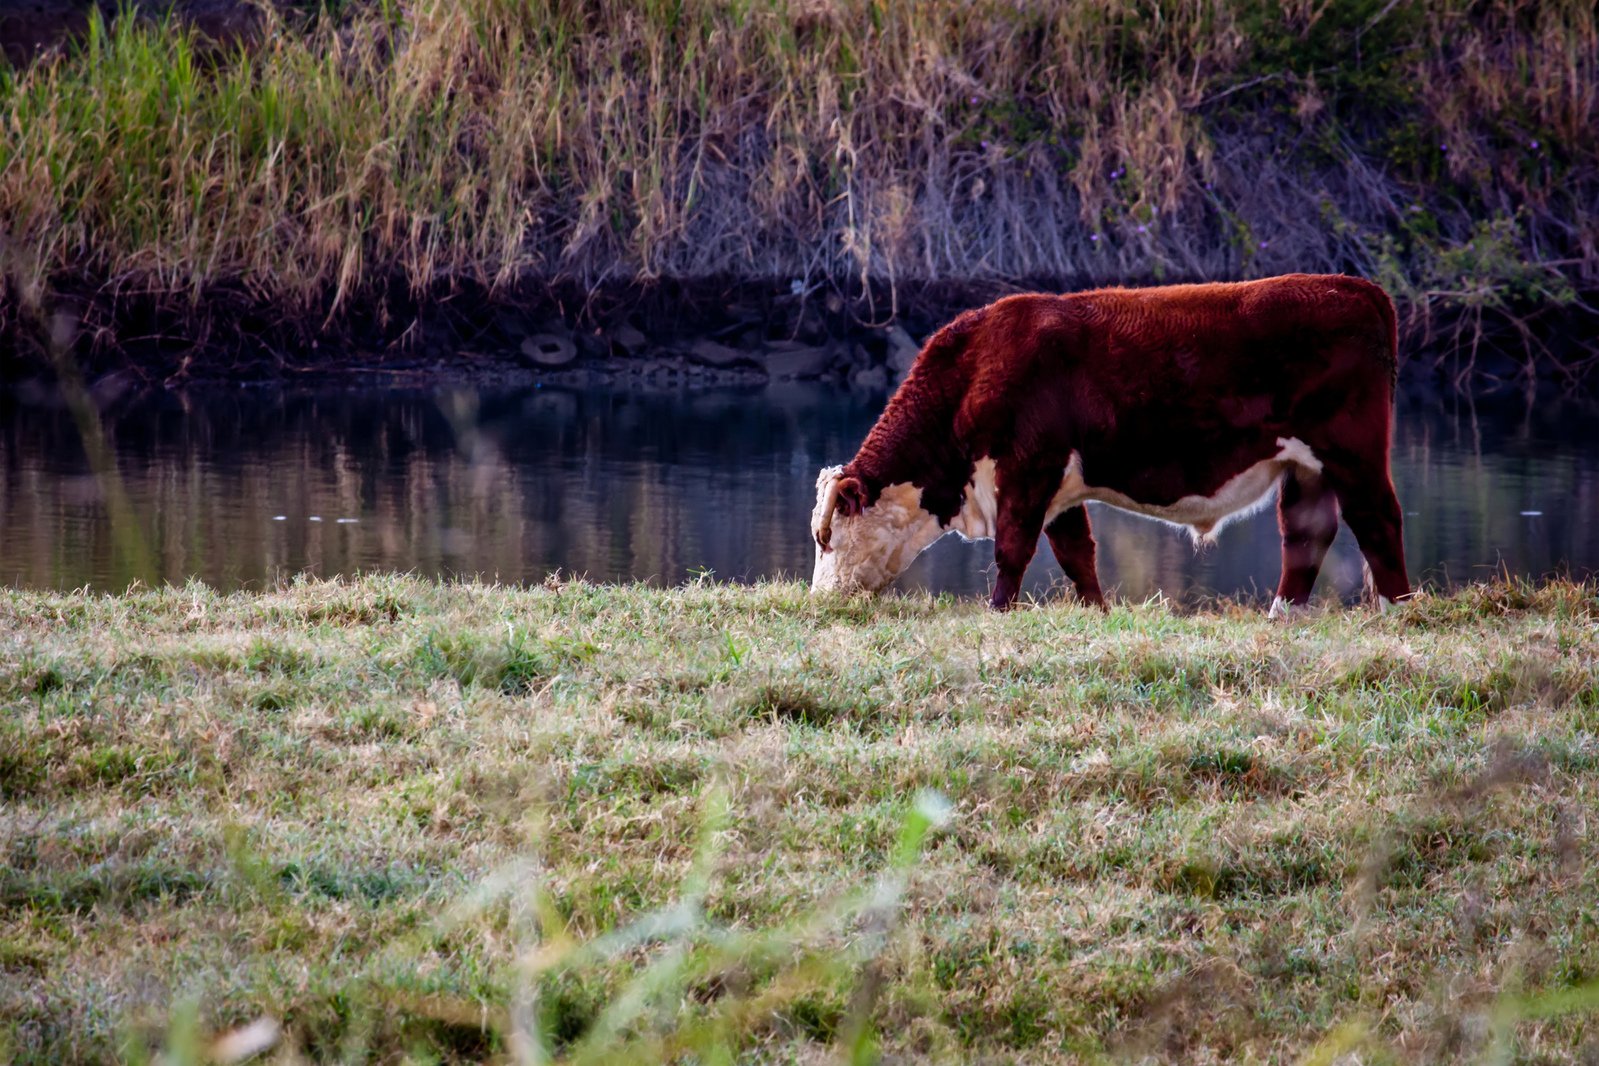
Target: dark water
(246, 487)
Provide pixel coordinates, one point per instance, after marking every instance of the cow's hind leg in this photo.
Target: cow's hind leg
(1353, 446)
(1023, 498)
(1307, 514)
(1371, 509)
(1072, 541)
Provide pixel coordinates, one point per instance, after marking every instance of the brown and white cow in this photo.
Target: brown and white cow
(1186, 403)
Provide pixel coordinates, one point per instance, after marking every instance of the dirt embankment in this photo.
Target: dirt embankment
(718, 331)
(30, 28)
(664, 333)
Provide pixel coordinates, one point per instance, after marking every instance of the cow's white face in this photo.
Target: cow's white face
(860, 548)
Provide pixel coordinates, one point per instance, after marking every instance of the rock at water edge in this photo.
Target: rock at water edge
(713, 354)
(902, 351)
(797, 361)
(549, 350)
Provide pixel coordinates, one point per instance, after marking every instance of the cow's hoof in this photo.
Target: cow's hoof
(1281, 610)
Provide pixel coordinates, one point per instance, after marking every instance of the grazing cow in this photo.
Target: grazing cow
(1186, 403)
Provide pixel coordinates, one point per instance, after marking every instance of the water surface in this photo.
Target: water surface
(245, 487)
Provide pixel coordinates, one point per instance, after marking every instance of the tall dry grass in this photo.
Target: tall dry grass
(1442, 147)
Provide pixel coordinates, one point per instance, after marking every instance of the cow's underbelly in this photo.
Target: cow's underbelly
(1205, 515)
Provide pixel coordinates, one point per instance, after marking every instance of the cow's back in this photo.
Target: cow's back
(1210, 336)
(1220, 368)
(1288, 318)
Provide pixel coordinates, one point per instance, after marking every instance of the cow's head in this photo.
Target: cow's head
(861, 546)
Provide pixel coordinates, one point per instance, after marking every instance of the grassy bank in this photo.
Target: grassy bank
(387, 152)
(395, 818)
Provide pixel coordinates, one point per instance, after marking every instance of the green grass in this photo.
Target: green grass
(1447, 149)
(405, 820)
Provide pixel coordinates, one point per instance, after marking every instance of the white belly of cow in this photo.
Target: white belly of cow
(1243, 493)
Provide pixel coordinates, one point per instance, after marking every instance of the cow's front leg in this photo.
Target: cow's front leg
(1023, 498)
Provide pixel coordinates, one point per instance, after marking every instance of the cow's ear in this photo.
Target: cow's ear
(851, 496)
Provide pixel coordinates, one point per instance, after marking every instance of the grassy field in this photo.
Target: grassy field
(396, 819)
(1445, 149)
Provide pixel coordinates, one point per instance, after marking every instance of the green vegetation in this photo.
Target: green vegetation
(393, 149)
(404, 819)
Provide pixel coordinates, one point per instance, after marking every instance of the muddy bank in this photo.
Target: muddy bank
(32, 28)
(666, 333)
(724, 331)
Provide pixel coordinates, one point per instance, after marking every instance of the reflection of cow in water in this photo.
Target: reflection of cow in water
(1187, 403)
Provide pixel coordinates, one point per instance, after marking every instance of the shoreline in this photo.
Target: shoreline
(713, 332)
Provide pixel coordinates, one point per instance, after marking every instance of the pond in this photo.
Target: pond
(249, 486)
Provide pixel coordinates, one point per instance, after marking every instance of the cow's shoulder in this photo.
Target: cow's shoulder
(1024, 342)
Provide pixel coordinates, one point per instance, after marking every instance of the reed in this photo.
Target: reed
(1446, 149)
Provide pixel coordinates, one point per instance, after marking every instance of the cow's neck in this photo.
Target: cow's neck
(914, 443)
